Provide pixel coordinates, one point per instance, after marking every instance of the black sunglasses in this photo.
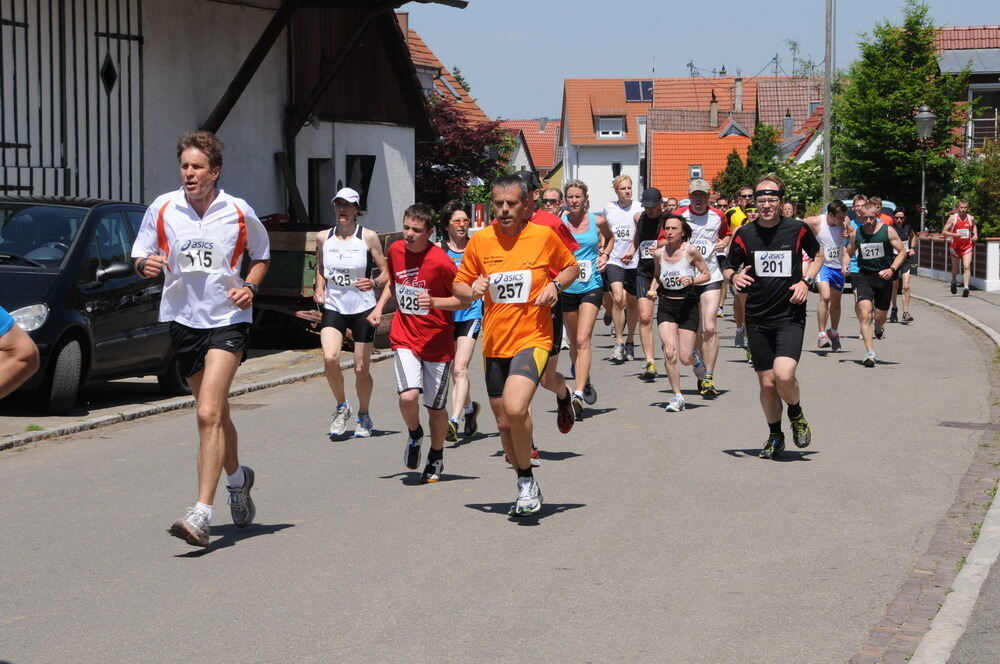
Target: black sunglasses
(550, 200)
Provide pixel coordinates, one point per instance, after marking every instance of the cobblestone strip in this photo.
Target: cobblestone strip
(908, 616)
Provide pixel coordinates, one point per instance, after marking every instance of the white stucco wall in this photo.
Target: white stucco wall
(519, 158)
(592, 164)
(187, 66)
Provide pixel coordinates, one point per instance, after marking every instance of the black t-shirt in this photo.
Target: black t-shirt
(647, 230)
(775, 257)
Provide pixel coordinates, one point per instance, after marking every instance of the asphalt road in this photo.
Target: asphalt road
(663, 537)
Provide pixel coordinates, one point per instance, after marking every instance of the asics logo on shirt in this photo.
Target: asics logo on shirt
(197, 244)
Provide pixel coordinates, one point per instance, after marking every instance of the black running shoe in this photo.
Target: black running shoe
(892, 316)
(774, 446)
(565, 415)
(411, 456)
(965, 292)
(801, 433)
(954, 288)
(472, 421)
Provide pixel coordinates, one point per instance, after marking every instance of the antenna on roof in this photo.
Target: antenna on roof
(722, 72)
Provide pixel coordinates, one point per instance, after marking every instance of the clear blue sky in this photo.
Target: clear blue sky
(516, 53)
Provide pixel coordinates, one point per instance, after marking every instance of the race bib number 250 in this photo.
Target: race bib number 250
(510, 287)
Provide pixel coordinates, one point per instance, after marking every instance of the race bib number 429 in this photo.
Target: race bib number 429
(772, 263)
(407, 296)
(510, 287)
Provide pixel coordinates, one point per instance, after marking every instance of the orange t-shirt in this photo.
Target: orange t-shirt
(518, 267)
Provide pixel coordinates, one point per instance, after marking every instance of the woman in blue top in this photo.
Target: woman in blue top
(455, 218)
(582, 300)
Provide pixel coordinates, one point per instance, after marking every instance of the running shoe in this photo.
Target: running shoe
(965, 292)
(870, 359)
(432, 472)
(648, 370)
(774, 446)
(240, 503)
(564, 344)
(834, 341)
(699, 368)
(954, 288)
(823, 341)
(740, 338)
(708, 389)
(719, 313)
(472, 421)
(363, 427)
(893, 318)
(629, 352)
(536, 462)
(338, 424)
(879, 332)
(907, 318)
(676, 404)
(607, 317)
(618, 353)
(801, 433)
(529, 498)
(411, 455)
(578, 407)
(589, 394)
(749, 357)
(452, 434)
(193, 528)
(565, 415)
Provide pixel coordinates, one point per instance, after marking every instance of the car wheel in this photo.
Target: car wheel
(65, 382)
(172, 382)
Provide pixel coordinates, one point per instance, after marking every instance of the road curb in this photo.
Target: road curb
(952, 619)
(145, 411)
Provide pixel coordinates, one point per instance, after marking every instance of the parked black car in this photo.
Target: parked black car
(66, 277)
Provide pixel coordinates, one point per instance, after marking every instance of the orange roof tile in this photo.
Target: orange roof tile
(586, 98)
(672, 155)
(965, 37)
(695, 92)
(808, 130)
(541, 141)
(776, 96)
(445, 85)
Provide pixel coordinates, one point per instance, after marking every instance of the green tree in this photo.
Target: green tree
(457, 73)
(875, 143)
(985, 197)
(803, 182)
(732, 177)
(762, 158)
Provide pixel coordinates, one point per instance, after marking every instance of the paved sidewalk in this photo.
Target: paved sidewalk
(979, 633)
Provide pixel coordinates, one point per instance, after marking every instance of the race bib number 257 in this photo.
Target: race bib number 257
(510, 287)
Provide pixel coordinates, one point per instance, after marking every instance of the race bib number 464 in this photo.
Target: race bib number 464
(772, 263)
(510, 287)
(407, 298)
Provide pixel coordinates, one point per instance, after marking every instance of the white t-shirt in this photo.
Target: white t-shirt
(204, 256)
(622, 223)
(706, 230)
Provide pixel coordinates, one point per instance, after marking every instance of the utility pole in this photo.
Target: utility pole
(827, 99)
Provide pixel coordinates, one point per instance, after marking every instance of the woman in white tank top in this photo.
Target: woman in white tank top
(678, 268)
(346, 256)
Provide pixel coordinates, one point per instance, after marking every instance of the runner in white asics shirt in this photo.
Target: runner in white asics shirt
(830, 230)
(620, 275)
(196, 237)
(710, 234)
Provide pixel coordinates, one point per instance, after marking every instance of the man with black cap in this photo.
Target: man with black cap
(648, 225)
(710, 235)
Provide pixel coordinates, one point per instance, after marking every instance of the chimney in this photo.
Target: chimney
(713, 112)
(403, 18)
(541, 125)
(789, 125)
(738, 94)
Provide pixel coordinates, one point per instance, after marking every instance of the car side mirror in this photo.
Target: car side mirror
(113, 271)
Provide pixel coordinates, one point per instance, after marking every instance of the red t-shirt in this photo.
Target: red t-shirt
(430, 334)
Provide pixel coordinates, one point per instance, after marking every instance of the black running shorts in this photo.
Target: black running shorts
(572, 301)
(615, 273)
(192, 344)
(362, 331)
(874, 288)
(683, 312)
(468, 328)
(768, 341)
(529, 363)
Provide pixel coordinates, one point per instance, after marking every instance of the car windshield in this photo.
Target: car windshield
(38, 235)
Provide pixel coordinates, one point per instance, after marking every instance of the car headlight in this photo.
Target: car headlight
(31, 317)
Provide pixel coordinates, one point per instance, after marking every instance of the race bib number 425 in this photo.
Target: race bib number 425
(772, 263)
(407, 298)
(833, 254)
(510, 287)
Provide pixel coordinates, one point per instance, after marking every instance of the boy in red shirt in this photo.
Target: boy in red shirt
(422, 333)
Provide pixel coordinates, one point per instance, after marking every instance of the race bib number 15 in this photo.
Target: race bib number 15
(510, 287)
(772, 263)
(199, 257)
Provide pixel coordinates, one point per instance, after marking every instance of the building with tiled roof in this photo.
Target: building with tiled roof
(978, 48)
(435, 77)
(604, 134)
(810, 138)
(797, 98)
(520, 157)
(542, 138)
(677, 158)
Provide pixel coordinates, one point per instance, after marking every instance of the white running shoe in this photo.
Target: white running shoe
(338, 425)
(870, 359)
(618, 353)
(364, 426)
(529, 498)
(676, 404)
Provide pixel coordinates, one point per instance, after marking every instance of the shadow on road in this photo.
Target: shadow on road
(376, 433)
(413, 478)
(228, 535)
(548, 509)
(787, 455)
(471, 439)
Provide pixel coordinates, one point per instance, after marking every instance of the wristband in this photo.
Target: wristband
(140, 268)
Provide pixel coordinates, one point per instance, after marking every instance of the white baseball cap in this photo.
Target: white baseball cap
(347, 194)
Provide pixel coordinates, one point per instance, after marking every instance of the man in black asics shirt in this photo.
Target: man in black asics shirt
(765, 262)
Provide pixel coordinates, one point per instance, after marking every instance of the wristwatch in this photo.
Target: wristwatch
(254, 288)
(809, 281)
(557, 285)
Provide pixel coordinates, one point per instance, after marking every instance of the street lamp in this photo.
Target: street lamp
(924, 119)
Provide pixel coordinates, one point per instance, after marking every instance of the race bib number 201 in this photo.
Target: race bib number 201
(510, 287)
(772, 263)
